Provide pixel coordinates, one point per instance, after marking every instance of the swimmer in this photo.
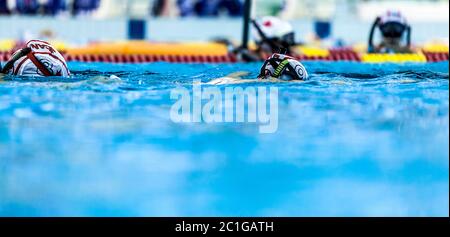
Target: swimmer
(38, 59)
(284, 68)
(393, 27)
(278, 68)
(272, 35)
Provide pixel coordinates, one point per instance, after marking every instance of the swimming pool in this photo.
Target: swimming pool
(355, 140)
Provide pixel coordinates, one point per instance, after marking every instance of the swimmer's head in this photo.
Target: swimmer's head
(38, 58)
(283, 67)
(273, 33)
(393, 24)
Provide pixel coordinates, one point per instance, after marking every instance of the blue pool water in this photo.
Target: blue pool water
(356, 140)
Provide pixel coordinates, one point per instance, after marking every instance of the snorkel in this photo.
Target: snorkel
(371, 48)
(26, 52)
(282, 45)
(16, 56)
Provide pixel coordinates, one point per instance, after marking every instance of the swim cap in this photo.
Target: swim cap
(393, 24)
(38, 58)
(283, 67)
(393, 17)
(274, 28)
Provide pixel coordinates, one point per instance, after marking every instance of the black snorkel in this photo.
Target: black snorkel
(271, 42)
(371, 47)
(273, 62)
(408, 36)
(21, 53)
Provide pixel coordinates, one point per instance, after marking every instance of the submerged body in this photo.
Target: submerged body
(237, 78)
(277, 68)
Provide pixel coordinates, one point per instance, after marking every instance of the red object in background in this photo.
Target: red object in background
(436, 57)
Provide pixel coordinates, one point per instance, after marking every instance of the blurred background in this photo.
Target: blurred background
(78, 22)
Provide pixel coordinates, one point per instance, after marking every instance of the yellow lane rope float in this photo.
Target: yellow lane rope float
(144, 51)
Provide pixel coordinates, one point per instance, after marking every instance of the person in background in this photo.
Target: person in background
(53, 7)
(4, 7)
(165, 8)
(234, 8)
(394, 29)
(158, 7)
(27, 7)
(205, 8)
(272, 35)
(186, 7)
(84, 6)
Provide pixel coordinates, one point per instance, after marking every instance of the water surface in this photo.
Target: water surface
(355, 140)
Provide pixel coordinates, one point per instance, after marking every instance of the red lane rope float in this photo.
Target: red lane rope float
(136, 58)
(334, 55)
(344, 54)
(4, 56)
(436, 57)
